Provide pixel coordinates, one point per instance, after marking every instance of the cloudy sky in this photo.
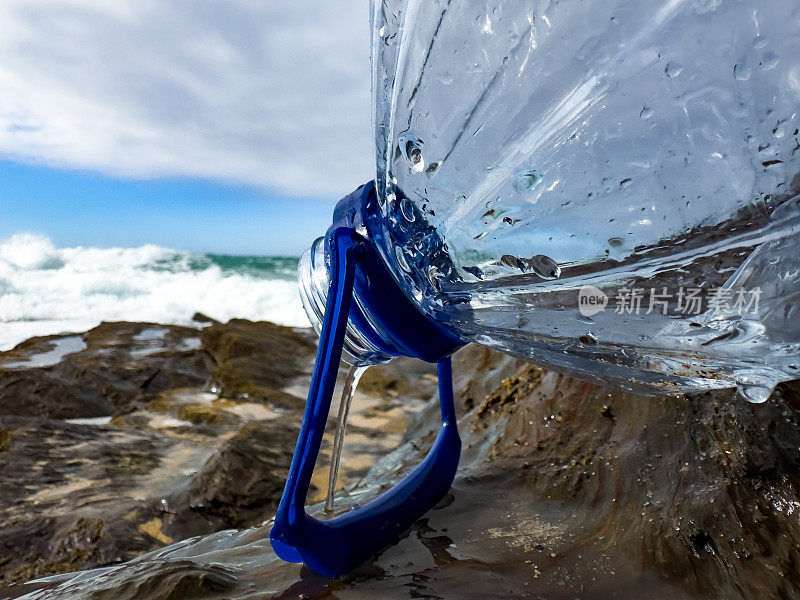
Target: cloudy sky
(213, 116)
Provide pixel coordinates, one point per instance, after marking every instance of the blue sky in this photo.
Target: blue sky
(78, 208)
(231, 126)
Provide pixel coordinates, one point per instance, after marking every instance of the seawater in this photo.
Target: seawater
(48, 290)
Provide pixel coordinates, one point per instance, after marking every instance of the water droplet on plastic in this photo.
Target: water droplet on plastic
(515, 262)
(415, 157)
(646, 113)
(615, 242)
(588, 339)
(672, 69)
(411, 148)
(545, 267)
(474, 271)
(401, 260)
(434, 276)
(407, 210)
(755, 386)
(390, 201)
(525, 181)
(755, 393)
(433, 167)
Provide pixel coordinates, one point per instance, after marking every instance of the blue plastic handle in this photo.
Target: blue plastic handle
(336, 546)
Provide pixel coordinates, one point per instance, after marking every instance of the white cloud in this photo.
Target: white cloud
(250, 91)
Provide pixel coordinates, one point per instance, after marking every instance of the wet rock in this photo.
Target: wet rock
(108, 369)
(199, 414)
(79, 495)
(257, 360)
(199, 317)
(5, 439)
(383, 381)
(566, 489)
(179, 579)
(57, 477)
(116, 367)
(478, 372)
(182, 579)
(512, 389)
(240, 485)
(82, 488)
(403, 378)
(122, 440)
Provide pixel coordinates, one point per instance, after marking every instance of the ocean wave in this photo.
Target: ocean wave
(44, 289)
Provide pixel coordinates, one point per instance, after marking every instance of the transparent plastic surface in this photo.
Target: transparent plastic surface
(615, 182)
(314, 283)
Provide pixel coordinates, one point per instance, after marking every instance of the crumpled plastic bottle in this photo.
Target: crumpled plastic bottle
(613, 187)
(608, 188)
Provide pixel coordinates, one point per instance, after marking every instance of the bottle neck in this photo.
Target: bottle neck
(313, 277)
(383, 322)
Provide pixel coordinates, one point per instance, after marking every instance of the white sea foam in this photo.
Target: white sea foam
(44, 289)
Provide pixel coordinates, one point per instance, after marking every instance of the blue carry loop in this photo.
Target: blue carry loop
(336, 546)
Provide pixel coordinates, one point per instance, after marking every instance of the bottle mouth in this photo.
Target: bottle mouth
(314, 282)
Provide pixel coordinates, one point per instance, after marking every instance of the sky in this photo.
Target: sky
(206, 125)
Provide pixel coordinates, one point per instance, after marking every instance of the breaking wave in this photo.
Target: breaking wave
(45, 290)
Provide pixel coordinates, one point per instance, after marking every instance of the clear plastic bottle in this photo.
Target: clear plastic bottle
(616, 183)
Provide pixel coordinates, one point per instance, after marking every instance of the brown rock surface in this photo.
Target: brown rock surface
(81, 489)
(108, 369)
(565, 490)
(256, 360)
(132, 436)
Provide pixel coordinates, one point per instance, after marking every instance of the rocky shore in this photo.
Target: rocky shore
(150, 458)
(131, 436)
